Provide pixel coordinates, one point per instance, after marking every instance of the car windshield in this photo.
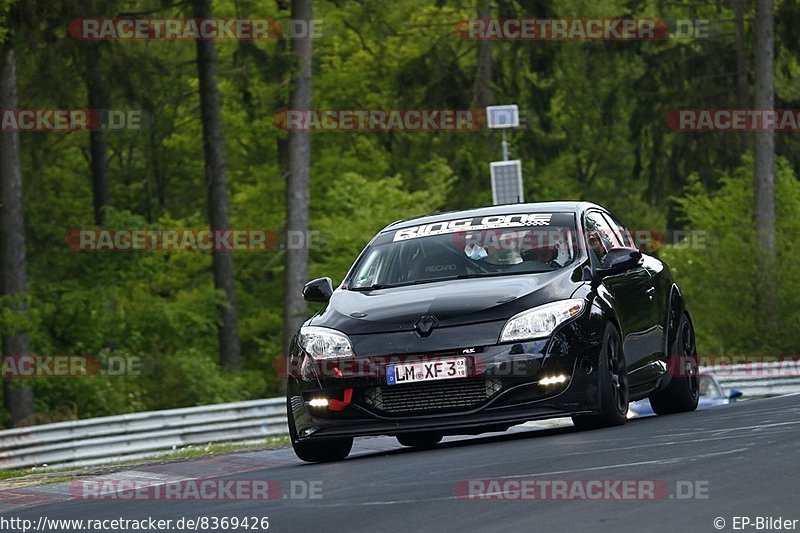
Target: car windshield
(469, 247)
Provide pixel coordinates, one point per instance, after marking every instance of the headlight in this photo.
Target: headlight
(540, 321)
(324, 343)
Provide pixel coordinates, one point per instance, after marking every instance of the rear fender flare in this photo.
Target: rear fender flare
(675, 310)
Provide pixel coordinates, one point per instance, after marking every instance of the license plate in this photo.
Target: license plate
(426, 371)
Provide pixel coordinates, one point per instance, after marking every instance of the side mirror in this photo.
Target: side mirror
(318, 290)
(735, 393)
(618, 260)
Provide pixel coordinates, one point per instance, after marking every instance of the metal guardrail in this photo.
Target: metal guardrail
(759, 379)
(111, 439)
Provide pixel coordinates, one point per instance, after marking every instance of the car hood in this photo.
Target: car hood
(452, 303)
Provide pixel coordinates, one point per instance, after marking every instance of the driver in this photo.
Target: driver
(548, 247)
(506, 249)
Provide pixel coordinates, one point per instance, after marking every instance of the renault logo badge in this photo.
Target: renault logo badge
(425, 324)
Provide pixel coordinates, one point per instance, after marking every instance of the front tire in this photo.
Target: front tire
(683, 392)
(321, 451)
(613, 381)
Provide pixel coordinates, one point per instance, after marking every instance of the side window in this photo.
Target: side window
(622, 232)
(599, 235)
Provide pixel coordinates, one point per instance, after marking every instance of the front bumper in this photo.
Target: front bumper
(502, 388)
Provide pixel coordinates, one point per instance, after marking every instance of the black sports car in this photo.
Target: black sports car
(478, 320)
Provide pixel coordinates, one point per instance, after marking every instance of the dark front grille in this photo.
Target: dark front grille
(451, 394)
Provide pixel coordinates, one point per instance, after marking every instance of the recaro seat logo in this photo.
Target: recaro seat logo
(440, 268)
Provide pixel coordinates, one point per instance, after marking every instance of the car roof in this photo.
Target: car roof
(506, 209)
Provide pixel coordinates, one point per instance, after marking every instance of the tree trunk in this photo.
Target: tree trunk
(98, 148)
(17, 398)
(741, 54)
(211, 113)
(482, 94)
(764, 178)
(297, 193)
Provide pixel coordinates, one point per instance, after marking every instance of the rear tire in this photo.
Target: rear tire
(320, 451)
(419, 440)
(682, 392)
(613, 381)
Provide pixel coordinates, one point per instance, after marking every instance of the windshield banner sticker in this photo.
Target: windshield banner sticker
(470, 224)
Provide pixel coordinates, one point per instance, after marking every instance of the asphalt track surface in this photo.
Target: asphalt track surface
(746, 456)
